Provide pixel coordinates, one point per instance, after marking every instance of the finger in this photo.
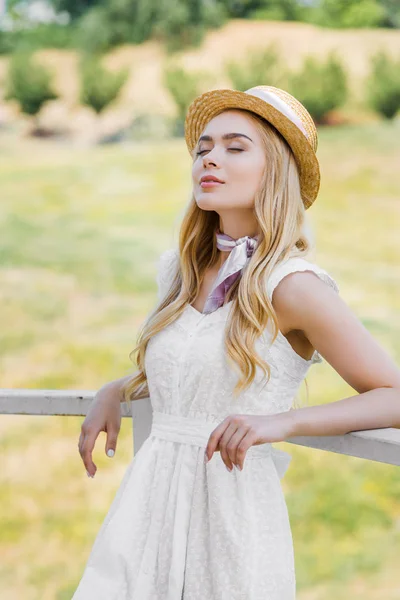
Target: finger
(111, 442)
(223, 444)
(87, 449)
(246, 443)
(81, 446)
(214, 439)
(80, 441)
(233, 444)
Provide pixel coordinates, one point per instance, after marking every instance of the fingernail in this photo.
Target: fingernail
(228, 468)
(205, 459)
(110, 452)
(88, 474)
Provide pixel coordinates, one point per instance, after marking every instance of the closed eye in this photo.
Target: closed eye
(233, 149)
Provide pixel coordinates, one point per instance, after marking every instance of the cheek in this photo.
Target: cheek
(197, 170)
(250, 173)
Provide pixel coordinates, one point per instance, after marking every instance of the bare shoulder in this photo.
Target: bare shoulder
(304, 302)
(295, 295)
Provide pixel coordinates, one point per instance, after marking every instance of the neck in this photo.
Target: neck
(238, 232)
(238, 224)
(221, 258)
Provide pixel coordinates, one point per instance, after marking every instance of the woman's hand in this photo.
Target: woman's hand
(104, 414)
(237, 433)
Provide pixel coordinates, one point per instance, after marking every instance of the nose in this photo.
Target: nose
(208, 161)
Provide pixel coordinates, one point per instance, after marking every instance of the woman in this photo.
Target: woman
(242, 315)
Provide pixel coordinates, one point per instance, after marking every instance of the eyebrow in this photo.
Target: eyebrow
(226, 136)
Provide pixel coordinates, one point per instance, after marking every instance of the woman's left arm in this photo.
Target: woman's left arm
(305, 303)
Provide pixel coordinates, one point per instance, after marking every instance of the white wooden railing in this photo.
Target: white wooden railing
(381, 445)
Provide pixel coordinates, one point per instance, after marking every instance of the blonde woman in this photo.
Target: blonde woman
(242, 315)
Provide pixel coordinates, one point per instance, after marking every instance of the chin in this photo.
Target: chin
(208, 201)
(207, 204)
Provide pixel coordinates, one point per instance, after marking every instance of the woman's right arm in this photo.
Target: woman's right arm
(104, 414)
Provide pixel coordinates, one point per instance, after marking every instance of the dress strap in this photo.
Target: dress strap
(298, 264)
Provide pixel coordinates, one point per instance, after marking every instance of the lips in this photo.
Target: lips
(210, 178)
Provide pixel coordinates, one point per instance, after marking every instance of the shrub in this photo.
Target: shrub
(276, 10)
(260, 67)
(320, 86)
(175, 22)
(383, 85)
(183, 87)
(7, 44)
(75, 8)
(99, 87)
(109, 25)
(147, 126)
(367, 13)
(42, 35)
(349, 13)
(29, 83)
(184, 24)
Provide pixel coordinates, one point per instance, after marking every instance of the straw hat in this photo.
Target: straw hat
(278, 107)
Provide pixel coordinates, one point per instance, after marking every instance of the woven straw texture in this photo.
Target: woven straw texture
(208, 105)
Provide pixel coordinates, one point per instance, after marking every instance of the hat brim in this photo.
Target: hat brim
(206, 106)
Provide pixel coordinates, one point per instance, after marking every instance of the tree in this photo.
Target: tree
(99, 87)
(177, 22)
(29, 83)
(259, 67)
(320, 86)
(383, 85)
(392, 13)
(183, 87)
(75, 8)
(350, 13)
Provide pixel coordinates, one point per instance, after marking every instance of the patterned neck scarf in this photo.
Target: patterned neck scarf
(240, 252)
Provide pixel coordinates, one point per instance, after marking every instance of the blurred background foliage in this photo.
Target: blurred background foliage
(320, 83)
(94, 177)
(97, 25)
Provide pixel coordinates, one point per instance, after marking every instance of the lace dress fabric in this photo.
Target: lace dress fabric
(179, 529)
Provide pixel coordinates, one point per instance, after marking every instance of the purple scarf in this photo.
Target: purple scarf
(240, 252)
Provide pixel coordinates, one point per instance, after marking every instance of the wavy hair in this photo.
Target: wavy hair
(280, 213)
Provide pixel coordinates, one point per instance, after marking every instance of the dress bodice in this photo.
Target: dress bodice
(186, 365)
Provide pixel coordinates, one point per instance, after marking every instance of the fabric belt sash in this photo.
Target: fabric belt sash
(196, 432)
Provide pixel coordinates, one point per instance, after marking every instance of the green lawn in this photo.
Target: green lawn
(80, 232)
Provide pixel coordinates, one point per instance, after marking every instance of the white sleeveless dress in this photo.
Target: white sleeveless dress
(180, 529)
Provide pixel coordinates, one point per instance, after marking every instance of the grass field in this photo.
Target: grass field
(80, 232)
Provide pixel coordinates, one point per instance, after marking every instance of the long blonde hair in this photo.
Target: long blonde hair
(280, 213)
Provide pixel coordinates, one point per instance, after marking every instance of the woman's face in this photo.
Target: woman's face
(237, 160)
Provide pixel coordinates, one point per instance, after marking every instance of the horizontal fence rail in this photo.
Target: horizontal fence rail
(380, 445)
